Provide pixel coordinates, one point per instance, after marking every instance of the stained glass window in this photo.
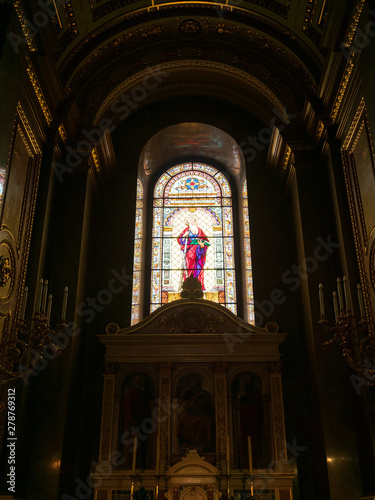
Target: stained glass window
(137, 254)
(3, 173)
(248, 266)
(192, 235)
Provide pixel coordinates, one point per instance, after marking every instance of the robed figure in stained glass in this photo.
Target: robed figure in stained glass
(194, 244)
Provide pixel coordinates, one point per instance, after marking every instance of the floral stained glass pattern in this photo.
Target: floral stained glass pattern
(248, 265)
(192, 235)
(137, 254)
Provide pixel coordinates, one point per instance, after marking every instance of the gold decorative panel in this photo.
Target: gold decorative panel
(359, 170)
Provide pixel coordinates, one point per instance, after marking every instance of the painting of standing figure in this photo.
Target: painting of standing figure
(194, 418)
(247, 417)
(136, 405)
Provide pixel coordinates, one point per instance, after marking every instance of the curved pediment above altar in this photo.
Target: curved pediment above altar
(193, 326)
(191, 316)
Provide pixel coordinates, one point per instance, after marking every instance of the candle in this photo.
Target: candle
(335, 306)
(49, 308)
(134, 455)
(339, 293)
(360, 300)
(346, 292)
(158, 455)
(64, 304)
(24, 302)
(44, 298)
(321, 301)
(228, 456)
(39, 300)
(250, 456)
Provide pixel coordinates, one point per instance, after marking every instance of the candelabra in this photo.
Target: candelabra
(27, 354)
(345, 328)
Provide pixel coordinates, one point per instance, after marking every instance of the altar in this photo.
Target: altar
(186, 392)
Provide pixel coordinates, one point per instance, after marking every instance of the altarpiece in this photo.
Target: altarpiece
(184, 391)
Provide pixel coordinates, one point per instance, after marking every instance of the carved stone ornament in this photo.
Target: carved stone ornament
(192, 321)
(190, 28)
(5, 270)
(112, 328)
(191, 289)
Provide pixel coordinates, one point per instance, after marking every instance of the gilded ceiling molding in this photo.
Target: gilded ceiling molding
(229, 32)
(173, 65)
(357, 12)
(63, 134)
(95, 158)
(38, 91)
(115, 28)
(272, 5)
(25, 28)
(342, 89)
(70, 17)
(288, 154)
(308, 27)
(320, 129)
(28, 130)
(354, 124)
(309, 14)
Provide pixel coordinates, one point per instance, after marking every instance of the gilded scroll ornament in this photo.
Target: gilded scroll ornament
(5, 270)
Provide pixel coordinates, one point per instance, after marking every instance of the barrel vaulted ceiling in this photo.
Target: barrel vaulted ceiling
(259, 54)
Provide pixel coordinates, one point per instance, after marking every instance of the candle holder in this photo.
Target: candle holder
(345, 328)
(28, 354)
(344, 334)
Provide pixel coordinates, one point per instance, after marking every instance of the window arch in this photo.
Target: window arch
(193, 234)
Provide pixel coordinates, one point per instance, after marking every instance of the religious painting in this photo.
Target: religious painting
(194, 415)
(193, 235)
(247, 418)
(136, 407)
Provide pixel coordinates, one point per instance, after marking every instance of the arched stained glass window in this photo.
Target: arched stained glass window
(192, 235)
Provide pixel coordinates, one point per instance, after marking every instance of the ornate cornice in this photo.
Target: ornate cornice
(24, 26)
(357, 12)
(38, 91)
(28, 130)
(117, 27)
(272, 5)
(342, 88)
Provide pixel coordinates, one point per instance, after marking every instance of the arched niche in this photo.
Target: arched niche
(175, 145)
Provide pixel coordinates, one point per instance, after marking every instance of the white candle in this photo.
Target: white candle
(339, 293)
(335, 306)
(24, 302)
(360, 300)
(49, 308)
(158, 455)
(39, 300)
(44, 298)
(346, 293)
(64, 304)
(134, 455)
(321, 301)
(228, 456)
(250, 456)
